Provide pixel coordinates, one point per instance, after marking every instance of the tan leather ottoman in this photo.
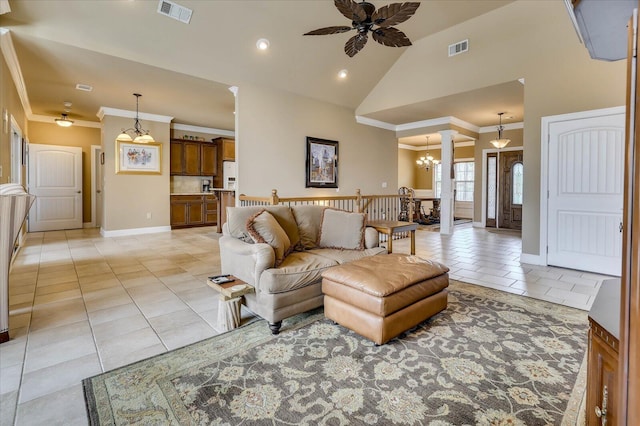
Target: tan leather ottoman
(379, 297)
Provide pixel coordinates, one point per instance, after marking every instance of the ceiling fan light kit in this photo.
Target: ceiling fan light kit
(500, 142)
(365, 18)
(64, 121)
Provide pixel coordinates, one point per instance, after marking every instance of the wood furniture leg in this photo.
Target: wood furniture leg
(390, 242)
(413, 241)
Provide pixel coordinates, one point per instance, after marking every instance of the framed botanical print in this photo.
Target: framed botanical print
(138, 158)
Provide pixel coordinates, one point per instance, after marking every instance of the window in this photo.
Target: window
(517, 180)
(464, 180)
(464, 172)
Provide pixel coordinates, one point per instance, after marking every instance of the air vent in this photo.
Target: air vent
(459, 47)
(175, 11)
(84, 87)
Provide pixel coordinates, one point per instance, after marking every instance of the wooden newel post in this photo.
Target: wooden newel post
(358, 201)
(275, 200)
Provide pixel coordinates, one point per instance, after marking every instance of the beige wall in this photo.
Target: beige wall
(407, 169)
(542, 47)
(129, 197)
(9, 101)
(83, 137)
(271, 132)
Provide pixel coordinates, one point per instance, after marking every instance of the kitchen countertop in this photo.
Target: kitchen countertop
(204, 193)
(606, 307)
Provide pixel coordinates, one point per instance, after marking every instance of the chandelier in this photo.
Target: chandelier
(136, 133)
(426, 161)
(500, 142)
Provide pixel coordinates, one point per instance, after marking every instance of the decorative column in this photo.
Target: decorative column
(446, 196)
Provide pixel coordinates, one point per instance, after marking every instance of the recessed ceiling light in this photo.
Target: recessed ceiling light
(343, 74)
(262, 44)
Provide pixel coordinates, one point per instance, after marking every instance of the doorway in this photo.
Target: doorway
(55, 178)
(503, 188)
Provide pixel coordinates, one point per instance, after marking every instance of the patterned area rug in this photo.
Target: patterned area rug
(491, 358)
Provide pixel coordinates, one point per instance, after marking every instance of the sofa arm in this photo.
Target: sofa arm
(245, 261)
(371, 238)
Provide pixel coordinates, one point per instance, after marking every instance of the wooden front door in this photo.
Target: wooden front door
(510, 190)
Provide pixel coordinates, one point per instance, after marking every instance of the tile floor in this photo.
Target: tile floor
(82, 304)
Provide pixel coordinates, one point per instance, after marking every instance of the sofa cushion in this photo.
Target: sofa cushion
(237, 221)
(298, 270)
(308, 219)
(264, 228)
(342, 230)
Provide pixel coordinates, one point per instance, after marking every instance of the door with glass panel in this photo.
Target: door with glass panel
(510, 206)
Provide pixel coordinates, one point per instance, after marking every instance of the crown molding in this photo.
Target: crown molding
(132, 114)
(52, 120)
(437, 122)
(199, 129)
(10, 57)
(375, 123)
(434, 146)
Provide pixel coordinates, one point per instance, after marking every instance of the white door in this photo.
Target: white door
(586, 165)
(55, 178)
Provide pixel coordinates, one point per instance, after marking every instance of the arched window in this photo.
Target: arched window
(517, 177)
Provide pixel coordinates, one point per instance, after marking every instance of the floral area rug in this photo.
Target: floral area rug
(491, 358)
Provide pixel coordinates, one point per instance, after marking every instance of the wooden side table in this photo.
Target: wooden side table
(390, 227)
(230, 301)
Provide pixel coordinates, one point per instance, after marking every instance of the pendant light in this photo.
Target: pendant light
(136, 133)
(500, 142)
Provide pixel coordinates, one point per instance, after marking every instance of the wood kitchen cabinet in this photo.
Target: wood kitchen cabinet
(602, 359)
(193, 158)
(228, 149)
(187, 210)
(210, 210)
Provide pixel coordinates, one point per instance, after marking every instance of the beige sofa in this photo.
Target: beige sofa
(284, 258)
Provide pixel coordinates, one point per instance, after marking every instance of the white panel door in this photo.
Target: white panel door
(586, 165)
(55, 178)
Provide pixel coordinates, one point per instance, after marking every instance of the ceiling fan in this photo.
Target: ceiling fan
(364, 17)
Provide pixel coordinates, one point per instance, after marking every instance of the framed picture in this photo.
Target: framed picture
(321, 163)
(138, 158)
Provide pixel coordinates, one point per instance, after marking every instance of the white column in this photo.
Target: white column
(446, 197)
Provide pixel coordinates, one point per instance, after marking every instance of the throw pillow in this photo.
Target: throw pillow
(308, 219)
(264, 228)
(343, 230)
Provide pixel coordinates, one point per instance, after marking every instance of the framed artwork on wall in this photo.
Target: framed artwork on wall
(321, 163)
(138, 158)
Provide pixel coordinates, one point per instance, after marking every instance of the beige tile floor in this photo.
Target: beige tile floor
(82, 304)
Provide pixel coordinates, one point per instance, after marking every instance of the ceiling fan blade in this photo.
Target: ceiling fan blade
(351, 10)
(394, 13)
(329, 30)
(391, 37)
(355, 44)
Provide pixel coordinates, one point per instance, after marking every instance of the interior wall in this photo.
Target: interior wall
(407, 169)
(128, 198)
(271, 132)
(9, 101)
(83, 137)
(516, 136)
(542, 47)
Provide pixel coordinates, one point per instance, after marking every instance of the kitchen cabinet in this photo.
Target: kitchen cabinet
(602, 359)
(210, 210)
(193, 158)
(187, 210)
(228, 149)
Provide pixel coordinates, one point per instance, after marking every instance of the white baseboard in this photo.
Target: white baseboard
(478, 225)
(134, 231)
(532, 259)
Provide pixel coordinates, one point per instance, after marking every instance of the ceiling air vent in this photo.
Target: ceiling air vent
(459, 47)
(175, 11)
(84, 87)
